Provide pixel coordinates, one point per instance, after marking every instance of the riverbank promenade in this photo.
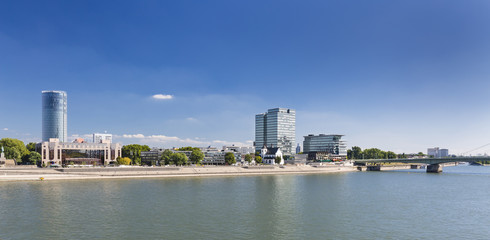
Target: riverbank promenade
(43, 174)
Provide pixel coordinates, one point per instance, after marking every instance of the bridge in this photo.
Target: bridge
(433, 164)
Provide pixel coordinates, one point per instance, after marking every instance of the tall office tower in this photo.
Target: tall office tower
(276, 128)
(54, 115)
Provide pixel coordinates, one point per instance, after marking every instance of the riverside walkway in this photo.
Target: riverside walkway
(434, 164)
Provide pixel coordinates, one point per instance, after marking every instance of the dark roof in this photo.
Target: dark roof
(271, 151)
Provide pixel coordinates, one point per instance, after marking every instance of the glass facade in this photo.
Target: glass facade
(276, 128)
(54, 112)
(330, 145)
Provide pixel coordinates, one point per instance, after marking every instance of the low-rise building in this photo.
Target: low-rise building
(152, 157)
(218, 157)
(55, 152)
(269, 155)
(99, 137)
(325, 147)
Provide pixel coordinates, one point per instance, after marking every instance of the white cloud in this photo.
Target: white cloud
(162, 97)
(5, 129)
(157, 140)
(133, 135)
(191, 119)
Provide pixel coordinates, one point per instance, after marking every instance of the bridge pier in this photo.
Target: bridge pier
(374, 168)
(434, 168)
(414, 166)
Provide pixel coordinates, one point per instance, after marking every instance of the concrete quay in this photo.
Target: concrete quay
(146, 172)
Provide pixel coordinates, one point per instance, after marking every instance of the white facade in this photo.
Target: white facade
(437, 152)
(56, 152)
(242, 150)
(269, 155)
(99, 137)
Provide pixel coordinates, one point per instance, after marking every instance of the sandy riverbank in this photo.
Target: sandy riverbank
(159, 172)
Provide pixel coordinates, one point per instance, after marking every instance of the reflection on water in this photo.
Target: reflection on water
(407, 204)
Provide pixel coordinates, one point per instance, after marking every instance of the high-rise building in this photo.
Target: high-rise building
(54, 112)
(437, 152)
(325, 147)
(298, 149)
(98, 137)
(276, 128)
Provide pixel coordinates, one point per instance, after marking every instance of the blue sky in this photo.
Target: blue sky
(397, 75)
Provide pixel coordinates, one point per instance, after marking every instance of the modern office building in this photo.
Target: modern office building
(152, 157)
(437, 152)
(276, 128)
(54, 112)
(212, 156)
(325, 147)
(298, 149)
(99, 137)
(54, 152)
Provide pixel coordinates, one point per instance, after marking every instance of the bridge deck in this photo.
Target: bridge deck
(424, 160)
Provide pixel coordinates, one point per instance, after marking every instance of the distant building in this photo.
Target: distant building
(325, 147)
(98, 137)
(79, 140)
(212, 156)
(54, 113)
(218, 157)
(437, 152)
(298, 149)
(276, 129)
(152, 157)
(59, 153)
(299, 159)
(269, 155)
(242, 150)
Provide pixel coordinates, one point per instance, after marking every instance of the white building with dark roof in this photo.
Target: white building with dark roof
(269, 155)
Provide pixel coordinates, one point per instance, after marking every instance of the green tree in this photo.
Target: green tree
(356, 152)
(248, 158)
(196, 156)
(31, 146)
(230, 158)
(167, 156)
(420, 154)
(178, 158)
(374, 153)
(391, 155)
(188, 149)
(133, 151)
(32, 158)
(277, 160)
(13, 153)
(123, 161)
(258, 159)
(403, 155)
(14, 144)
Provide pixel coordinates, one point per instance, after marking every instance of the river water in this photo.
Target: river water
(408, 204)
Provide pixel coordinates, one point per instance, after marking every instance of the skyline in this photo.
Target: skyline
(399, 76)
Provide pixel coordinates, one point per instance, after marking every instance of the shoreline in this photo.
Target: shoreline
(35, 174)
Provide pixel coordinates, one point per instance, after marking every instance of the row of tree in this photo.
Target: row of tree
(22, 154)
(131, 154)
(375, 153)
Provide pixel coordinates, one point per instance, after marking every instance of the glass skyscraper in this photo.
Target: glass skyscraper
(276, 128)
(54, 115)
